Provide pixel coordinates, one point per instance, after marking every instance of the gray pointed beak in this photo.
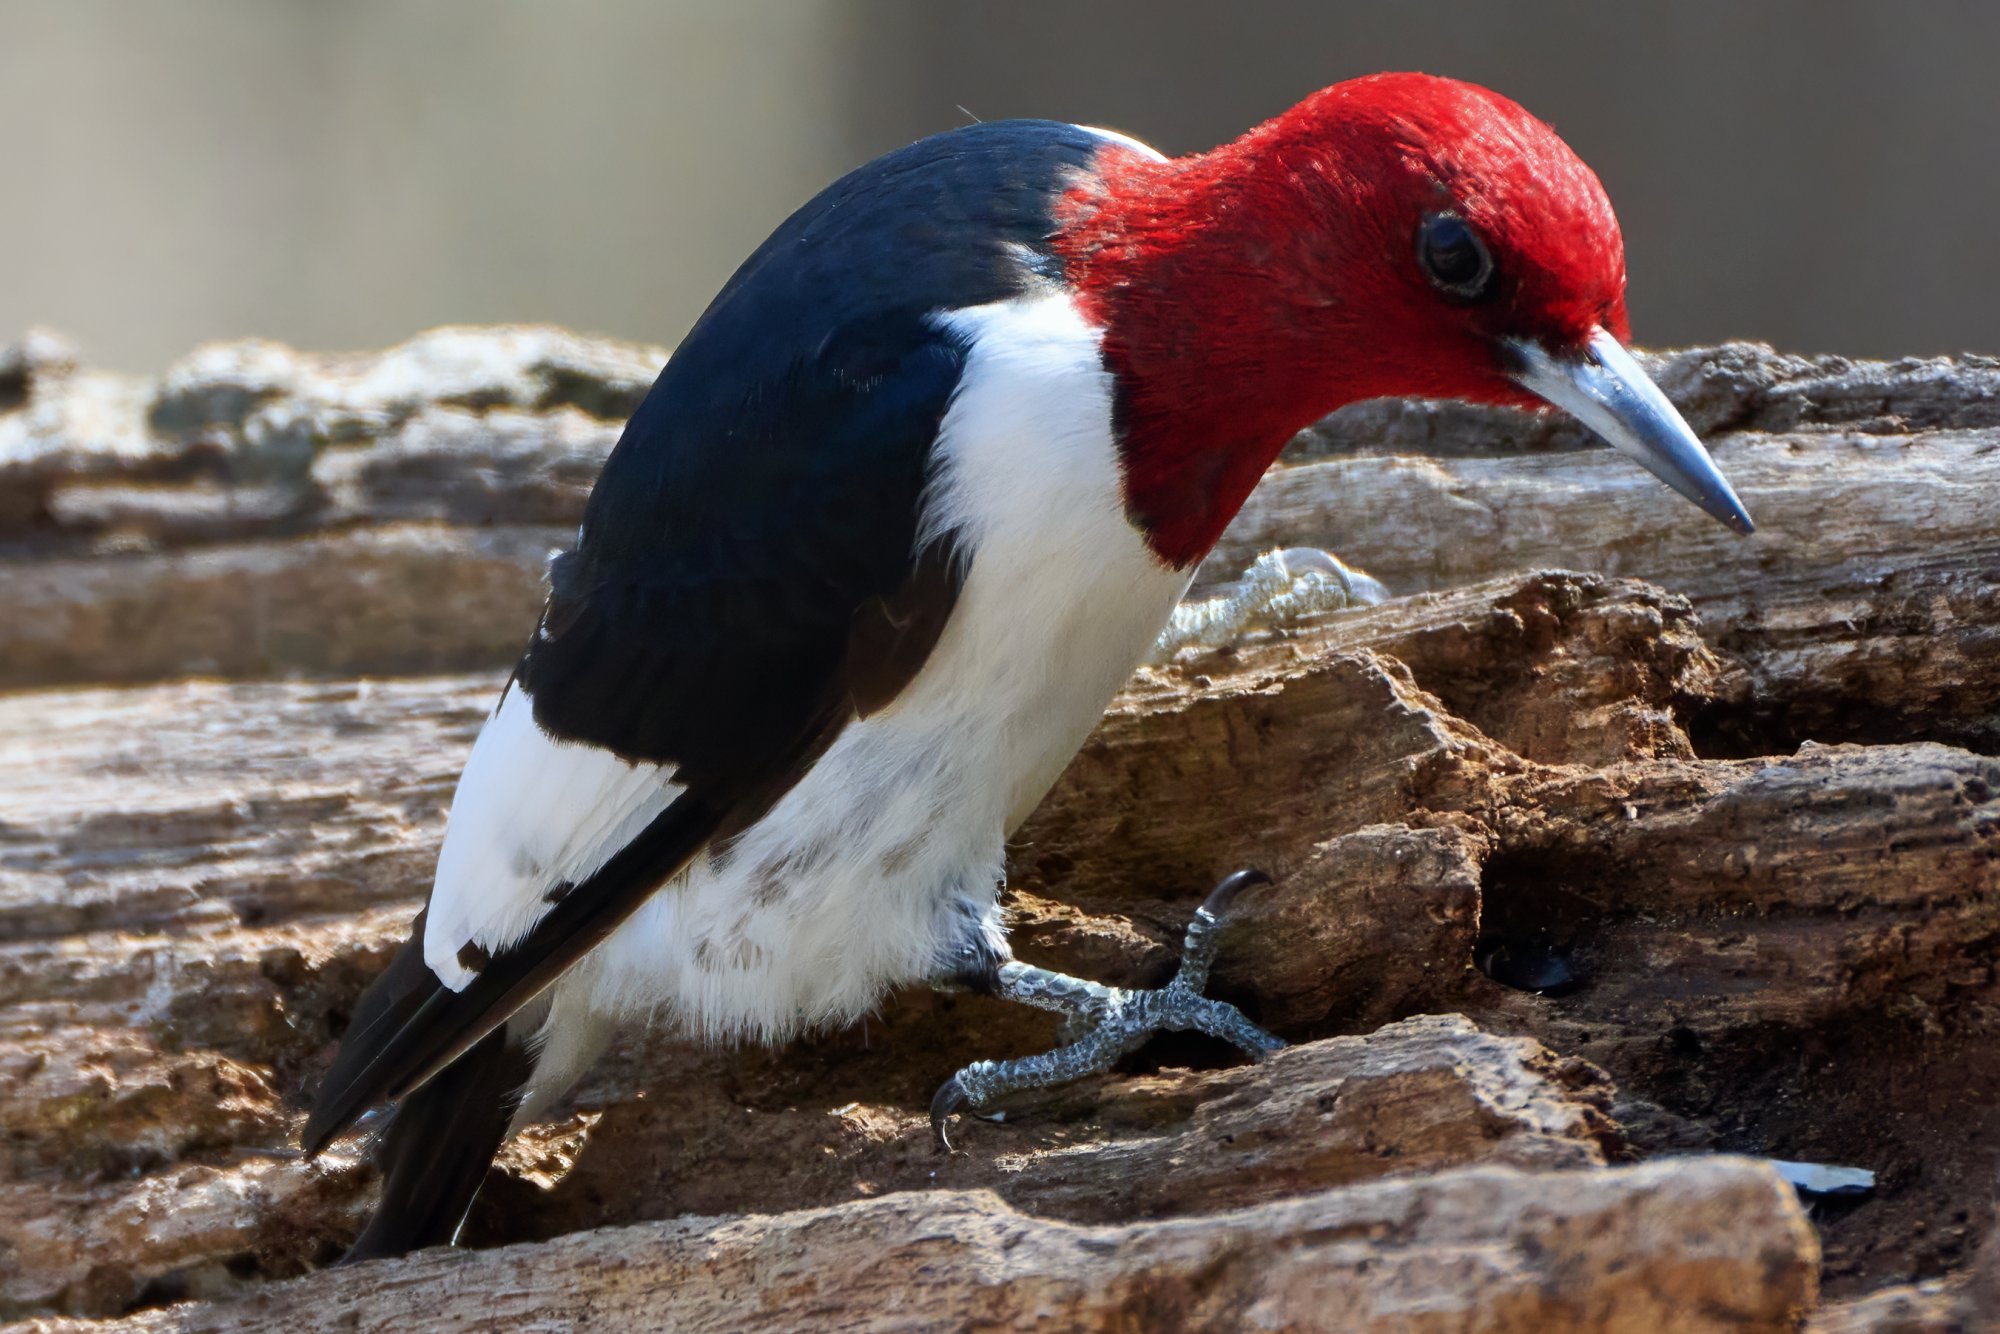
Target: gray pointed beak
(1606, 391)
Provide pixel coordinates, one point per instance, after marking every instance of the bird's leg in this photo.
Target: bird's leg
(1102, 1023)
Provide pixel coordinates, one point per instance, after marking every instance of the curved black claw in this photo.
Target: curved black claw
(1103, 1023)
(1219, 898)
(949, 1098)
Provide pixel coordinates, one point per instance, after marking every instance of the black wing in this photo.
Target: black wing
(747, 578)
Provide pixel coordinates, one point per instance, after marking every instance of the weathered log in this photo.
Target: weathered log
(201, 876)
(1968, 1302)
(1716, 1245)
(1867, 606)
(1424, 1094)
(259, 511)
(452, 464)
(1772, 946)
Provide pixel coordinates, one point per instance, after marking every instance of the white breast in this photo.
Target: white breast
(893, 842)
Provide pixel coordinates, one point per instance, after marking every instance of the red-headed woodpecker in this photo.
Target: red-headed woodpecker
(908, 504)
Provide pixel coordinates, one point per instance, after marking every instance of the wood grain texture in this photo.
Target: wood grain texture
(1748, 798)
(1688, 1247)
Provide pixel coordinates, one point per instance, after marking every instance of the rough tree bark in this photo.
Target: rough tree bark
(1749, 810)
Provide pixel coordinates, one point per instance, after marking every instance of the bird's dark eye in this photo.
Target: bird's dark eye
(1454, 258)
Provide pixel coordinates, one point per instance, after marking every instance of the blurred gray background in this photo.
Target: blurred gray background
(1822, 175)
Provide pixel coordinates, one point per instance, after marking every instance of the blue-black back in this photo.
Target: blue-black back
(768, 486)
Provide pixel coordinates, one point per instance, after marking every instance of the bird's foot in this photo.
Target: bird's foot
(1281, 588)
(1102, 1023)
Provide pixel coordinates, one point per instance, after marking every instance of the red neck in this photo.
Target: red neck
(1174, 260)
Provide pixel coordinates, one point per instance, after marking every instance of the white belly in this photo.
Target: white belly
(857, 879)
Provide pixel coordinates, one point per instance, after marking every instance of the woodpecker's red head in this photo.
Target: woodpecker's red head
(1394, 235)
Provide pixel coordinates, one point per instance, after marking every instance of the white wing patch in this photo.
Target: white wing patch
(530, 813)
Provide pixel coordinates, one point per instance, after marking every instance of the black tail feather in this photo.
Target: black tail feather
(384, 1010)
(436, 1149)
(410, 1027)
(446, 1056)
